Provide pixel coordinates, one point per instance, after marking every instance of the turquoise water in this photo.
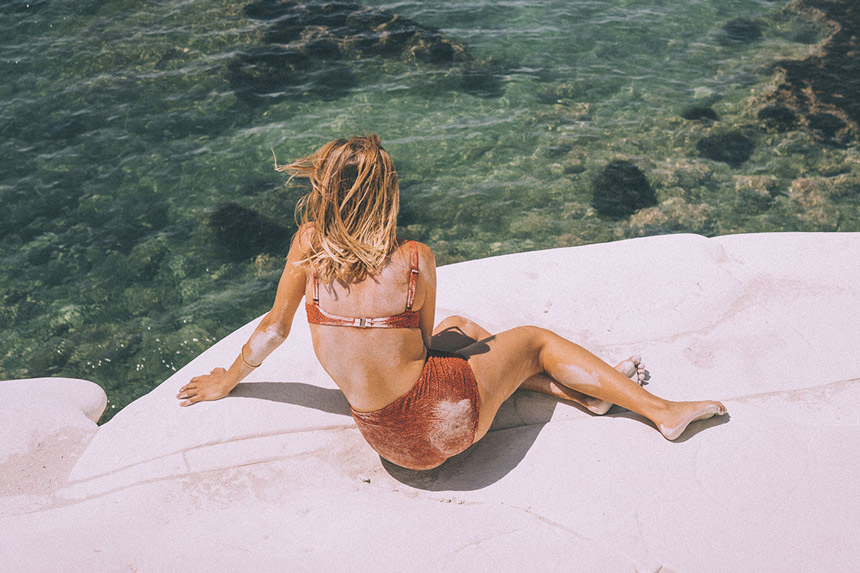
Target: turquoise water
(135, 134)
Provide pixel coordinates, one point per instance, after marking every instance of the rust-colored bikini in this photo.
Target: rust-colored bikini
(438, 417)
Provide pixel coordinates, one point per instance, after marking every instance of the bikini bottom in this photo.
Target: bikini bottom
(435, 420)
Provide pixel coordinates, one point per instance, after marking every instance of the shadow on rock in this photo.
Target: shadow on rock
(693, 429)
(514, 431)
(297, 393)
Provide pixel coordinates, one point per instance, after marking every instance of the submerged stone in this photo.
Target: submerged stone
(811, 206)
(673, 216)
(241, 233)
(266, 70)
(483, 81)
(829, 79)
(326, 38)
(826, 124)
(700, 113)
(276, 71)
(620, 190)
(755, 192)
(267, 9)
(731, 147)
(778, 116)
(741, 30)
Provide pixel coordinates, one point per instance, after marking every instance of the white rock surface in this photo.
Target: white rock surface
(45, 424)
(276, 476)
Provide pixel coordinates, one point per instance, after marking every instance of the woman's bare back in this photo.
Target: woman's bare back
(373, 366)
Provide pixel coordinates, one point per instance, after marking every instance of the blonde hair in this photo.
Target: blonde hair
(352, 205)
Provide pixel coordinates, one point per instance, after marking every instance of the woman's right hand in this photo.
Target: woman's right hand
(212, 386)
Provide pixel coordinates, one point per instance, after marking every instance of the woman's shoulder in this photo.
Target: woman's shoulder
(304, 237)
(423, 250)
(426, 258)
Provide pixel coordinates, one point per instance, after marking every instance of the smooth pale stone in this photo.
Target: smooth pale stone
(277, 474)
(747, 352)
(44, 425)
(289, 392)
(302, 514)
(35, 408)
(606, 294)
(811, 283)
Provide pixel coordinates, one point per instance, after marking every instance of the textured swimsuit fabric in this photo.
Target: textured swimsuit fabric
(435, 420)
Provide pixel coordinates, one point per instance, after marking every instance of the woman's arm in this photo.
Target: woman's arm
(269, 334)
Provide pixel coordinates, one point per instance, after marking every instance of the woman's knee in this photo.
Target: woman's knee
(462, 325)
(536, 335)
(455, 333)
(453, 321)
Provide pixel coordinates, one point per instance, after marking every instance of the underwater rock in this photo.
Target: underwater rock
(700, 113)
(534, 224)
(810, 205)
(476, 212)
(689, 174)
(740, 31)
(673, 216)
(241, 233)
(828, 81)
(483, 80)
(825, 124)
(555, 150)
(274, 71)
(17, 305)
(755, 192)
(778, 116)
(573, 165)
(620, 190)
(309, 47)
(731, 147)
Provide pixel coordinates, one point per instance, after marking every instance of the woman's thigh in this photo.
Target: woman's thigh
(501, 362)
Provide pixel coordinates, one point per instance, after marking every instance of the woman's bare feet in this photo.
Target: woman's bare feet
(682, 414)
(630, 367)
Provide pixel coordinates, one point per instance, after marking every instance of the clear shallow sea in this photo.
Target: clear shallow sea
(141, 219)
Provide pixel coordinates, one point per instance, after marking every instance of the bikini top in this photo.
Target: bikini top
(407, 319)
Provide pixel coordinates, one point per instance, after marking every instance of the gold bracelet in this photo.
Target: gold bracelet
(245, 362)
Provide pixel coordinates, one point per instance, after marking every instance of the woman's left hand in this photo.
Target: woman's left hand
(212, 386)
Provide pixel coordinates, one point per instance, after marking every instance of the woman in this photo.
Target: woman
(418, 395)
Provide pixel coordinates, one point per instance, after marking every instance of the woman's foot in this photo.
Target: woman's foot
(682, 414)
(630, 367)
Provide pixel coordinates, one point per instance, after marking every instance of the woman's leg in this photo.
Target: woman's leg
(455, 333)
(502, 362)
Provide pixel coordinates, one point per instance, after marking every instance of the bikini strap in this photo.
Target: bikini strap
(413, 275)
(413, 278)
(316, 288)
